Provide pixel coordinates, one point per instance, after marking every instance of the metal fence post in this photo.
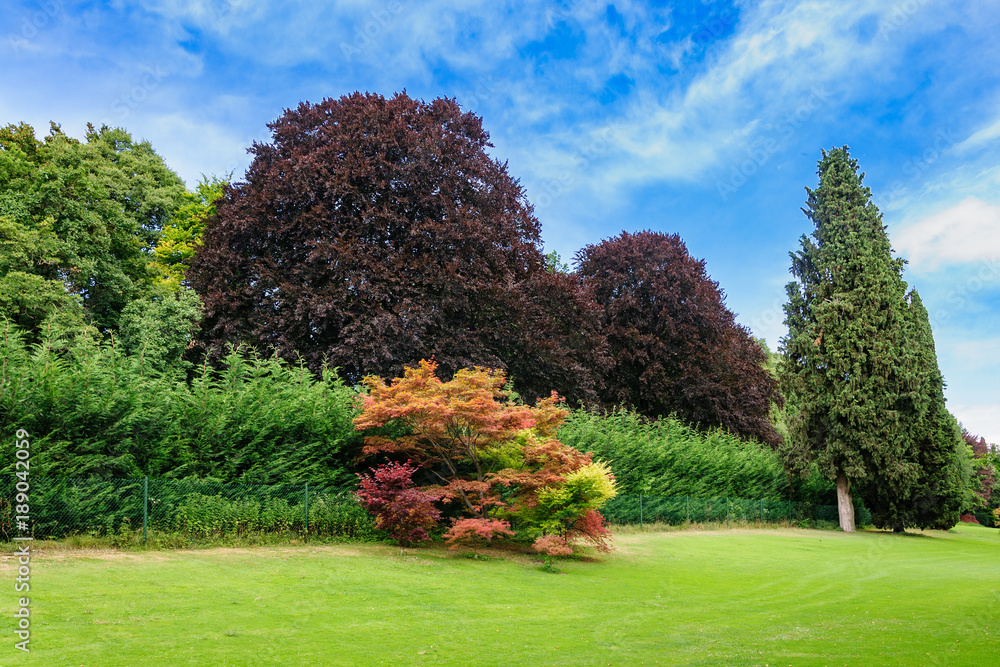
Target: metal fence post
(640, 511)
(305, 521)
(145, 507)
(687, 508)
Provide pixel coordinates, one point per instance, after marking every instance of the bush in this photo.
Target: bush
(669, 458)
(92, 410)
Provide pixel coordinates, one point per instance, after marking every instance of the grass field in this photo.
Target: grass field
(740, 597)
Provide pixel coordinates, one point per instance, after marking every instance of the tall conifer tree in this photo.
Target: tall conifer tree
(846, 355)
(934, 499)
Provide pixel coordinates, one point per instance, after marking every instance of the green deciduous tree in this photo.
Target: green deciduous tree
(82, 217)
(181, 236)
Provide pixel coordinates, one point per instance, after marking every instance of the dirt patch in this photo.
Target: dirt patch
(8, 559)
(425, 554)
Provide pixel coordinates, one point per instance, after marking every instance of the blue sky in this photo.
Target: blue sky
(701, 118)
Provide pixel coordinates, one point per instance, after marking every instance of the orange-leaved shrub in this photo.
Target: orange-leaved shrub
(495, 460)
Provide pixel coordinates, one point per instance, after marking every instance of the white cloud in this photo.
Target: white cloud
(966, 232)
(781, 60)
(219, 149)
(981, 419)
(980, 138)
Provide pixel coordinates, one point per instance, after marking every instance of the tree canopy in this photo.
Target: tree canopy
(674, 346)
(78, 222)
(374, 232)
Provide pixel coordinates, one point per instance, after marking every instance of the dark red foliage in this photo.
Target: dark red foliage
(405, 512)
(984, 471)
(591, 527)
(675, 346)
(372, 233)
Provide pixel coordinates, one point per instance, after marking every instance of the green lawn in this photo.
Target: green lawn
(741, 597)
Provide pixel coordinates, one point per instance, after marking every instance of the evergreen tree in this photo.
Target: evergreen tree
(847, 355)
(936, 498)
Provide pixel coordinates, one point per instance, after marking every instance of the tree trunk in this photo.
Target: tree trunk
(845, 506)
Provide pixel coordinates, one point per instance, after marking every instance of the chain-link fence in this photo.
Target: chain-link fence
(680, 509)
(186, 509)
(189, 511)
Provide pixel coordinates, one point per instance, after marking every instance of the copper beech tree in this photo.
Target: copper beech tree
(675, 346)
(371, 232)
(495, 461)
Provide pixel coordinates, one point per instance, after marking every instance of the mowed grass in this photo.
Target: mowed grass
(740, 597)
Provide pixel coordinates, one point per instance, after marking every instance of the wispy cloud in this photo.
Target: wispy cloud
(980, 138)
(966, 232)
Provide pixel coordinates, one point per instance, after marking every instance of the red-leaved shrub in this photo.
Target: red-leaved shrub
(553, 545)
(466, 531)
(591, 527)
(405, 512)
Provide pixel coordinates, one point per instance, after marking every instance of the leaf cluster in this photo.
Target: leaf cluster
(78, 221)
(674, 346)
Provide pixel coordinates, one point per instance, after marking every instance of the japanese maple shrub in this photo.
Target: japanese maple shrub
(496, 459)
(405, 512)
